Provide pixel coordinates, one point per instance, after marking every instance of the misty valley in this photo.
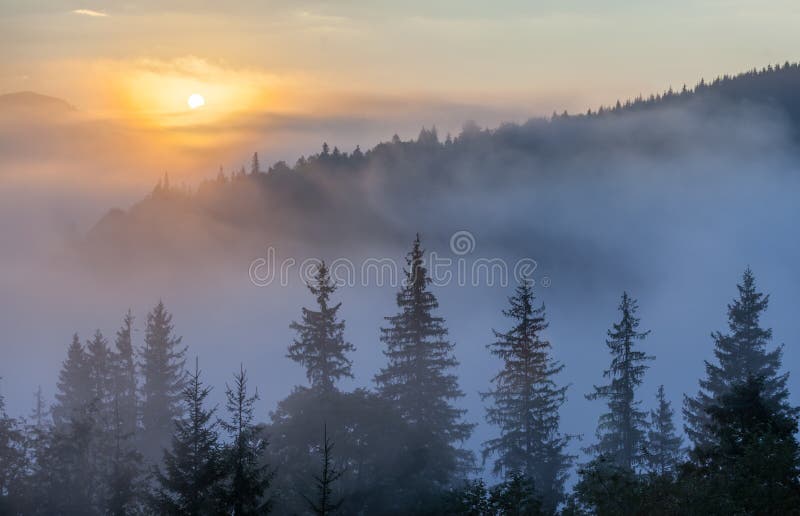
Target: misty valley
(615, 332)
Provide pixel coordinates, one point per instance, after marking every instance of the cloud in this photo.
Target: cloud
(89, 12)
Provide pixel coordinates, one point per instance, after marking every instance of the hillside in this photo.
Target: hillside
(491, 175)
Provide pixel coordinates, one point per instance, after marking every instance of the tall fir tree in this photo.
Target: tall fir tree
(99, 368)
(101, 438)
(325, 503)
(188, 481)
(525, 402)
(38, 426)
(124, 374)
(38, 418)
(740, 353)
(74, 386)
(38, 432)
(621, 430)
(418, 377)
(163, 379)
(71, 480)
(247, 476)
(255, 167)
(663, 449)
(126, 469)
(320, 346)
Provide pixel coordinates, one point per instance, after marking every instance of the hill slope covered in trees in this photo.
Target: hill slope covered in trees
(386, 192)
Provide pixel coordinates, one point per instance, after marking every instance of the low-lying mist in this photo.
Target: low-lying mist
(670, 204)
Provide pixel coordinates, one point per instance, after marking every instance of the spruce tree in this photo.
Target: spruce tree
(99, 369)
(247, 476)
(125, 472)
(71, 479)
(663, 450)
(740, 353)
(526, 402)
(418, 378)
(38, 425)
(13, 463)
(124, 374)
(621, 430)
(101, 438)
(320, 346)
(752, 465)
(517, 495)
(40, 412)
(163, 380)
(126, 469)
(324, 504)
(191, 470)
(38, 432)
(74, 387)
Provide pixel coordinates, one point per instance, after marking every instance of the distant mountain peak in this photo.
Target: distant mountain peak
(30, 100)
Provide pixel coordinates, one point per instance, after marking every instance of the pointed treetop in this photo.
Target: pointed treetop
(255, 167)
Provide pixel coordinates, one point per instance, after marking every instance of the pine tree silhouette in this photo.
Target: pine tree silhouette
(247, 477)
(663, 449)
(526, 402)
(621, 430)
(320, 346)
(418, 377)
(325, 504)
(191, 471)
(163, 379)
(740, 353)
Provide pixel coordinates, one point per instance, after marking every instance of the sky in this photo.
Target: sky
(281, 76)
(505, 51)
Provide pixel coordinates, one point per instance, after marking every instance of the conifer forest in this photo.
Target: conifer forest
(443, 257)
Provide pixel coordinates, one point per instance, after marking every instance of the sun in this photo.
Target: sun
(195, 101)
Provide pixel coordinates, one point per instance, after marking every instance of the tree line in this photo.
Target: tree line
(130, 430)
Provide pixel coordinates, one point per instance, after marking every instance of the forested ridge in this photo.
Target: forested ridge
(130, 429)
(335, 196)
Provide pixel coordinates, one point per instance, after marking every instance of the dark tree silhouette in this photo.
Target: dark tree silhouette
(752, 463)
(124, 375)
(192, 467)
(70, 478)
(418, 377)
(255, 167)
(516, 496)
(320, 346)
(13, 461)
(163, 378)
(740, 353)
(103, 413)
(99, 365)
(125, 473)
(526, 402)
(74, 388)
(247, 476)
(621, 430)
(325, 503)
(663, 450)
(37, 432)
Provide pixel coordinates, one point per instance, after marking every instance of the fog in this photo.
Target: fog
(670, 204)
